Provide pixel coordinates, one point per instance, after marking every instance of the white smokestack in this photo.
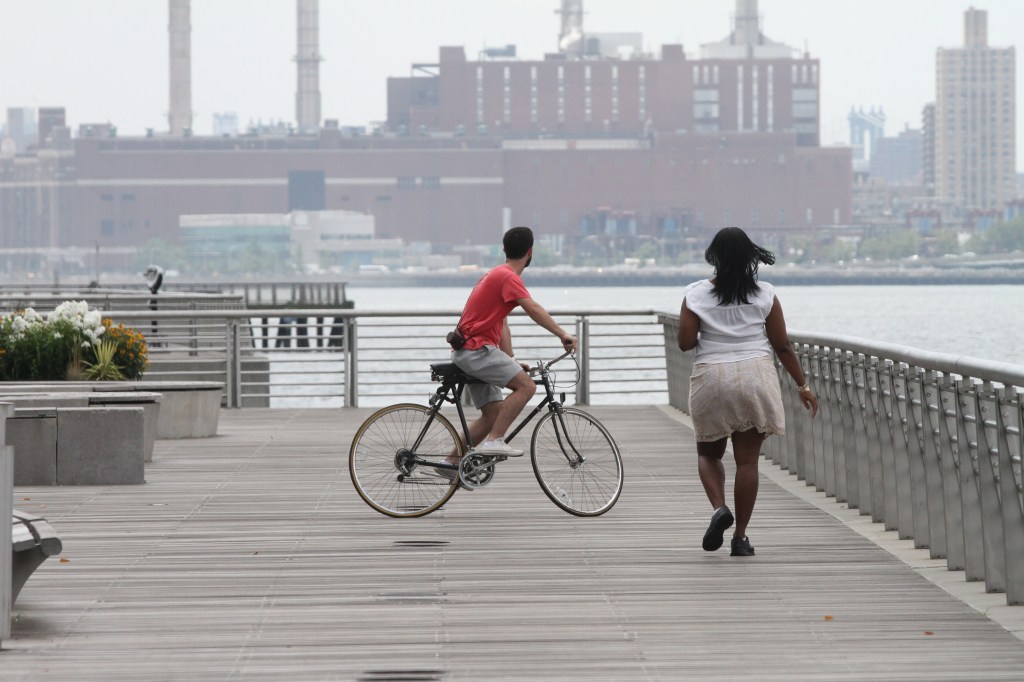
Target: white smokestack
(570, 40)
(179, 33)
(307, 98)
(748, 24)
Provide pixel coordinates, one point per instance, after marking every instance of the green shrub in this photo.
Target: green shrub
(66, 345)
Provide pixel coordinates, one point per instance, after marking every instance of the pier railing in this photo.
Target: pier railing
(345, 357)
(927, 443)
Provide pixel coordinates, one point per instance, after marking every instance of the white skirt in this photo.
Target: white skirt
(729, 397)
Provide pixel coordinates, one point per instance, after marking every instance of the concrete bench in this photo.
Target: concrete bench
(150, 402)
(96, 445)
(188, 409)
(33, 540)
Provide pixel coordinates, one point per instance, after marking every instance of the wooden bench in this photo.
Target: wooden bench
(33, 540)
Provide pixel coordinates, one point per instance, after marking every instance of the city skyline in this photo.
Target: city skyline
(100, 84)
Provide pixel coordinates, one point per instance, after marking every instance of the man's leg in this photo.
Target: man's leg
(479, 427)
(523, 389)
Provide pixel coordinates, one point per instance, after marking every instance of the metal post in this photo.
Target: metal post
(351, 364)
(583, 336)
(6, 510)
(1008, 420)
(236, 353)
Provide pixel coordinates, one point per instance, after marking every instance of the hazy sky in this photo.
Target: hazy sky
(106, 60)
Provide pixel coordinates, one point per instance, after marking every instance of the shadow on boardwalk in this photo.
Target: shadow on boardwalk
(249, 556)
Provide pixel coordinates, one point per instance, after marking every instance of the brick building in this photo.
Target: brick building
(573, 145)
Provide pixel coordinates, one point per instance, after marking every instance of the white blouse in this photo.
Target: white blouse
(730, 333)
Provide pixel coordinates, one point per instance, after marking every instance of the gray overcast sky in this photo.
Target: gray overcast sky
(106, 60)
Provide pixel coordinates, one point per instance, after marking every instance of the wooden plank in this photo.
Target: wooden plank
(249, 555)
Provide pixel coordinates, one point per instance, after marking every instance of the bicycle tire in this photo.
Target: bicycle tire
(587, 489)
(374, 461)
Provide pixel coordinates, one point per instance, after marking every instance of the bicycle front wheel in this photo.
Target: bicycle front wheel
(382, 460)
(577, 462)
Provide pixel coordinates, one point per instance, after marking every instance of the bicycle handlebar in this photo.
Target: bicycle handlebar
(546, 365)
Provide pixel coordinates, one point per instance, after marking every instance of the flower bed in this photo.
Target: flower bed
(72, 342)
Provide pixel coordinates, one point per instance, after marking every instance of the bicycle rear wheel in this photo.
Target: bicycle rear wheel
(577, 462)
(381, 464)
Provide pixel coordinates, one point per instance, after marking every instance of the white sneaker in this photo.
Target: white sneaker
(497, 447)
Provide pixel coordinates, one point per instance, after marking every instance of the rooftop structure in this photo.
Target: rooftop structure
(180, 58)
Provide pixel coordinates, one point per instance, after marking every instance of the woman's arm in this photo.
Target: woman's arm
(775, 328)
(689, 325)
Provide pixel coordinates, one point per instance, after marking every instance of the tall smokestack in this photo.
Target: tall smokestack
(570, 40)
(179, 31)
(748, 25)
(307, 98)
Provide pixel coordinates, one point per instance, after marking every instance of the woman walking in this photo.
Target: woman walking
(735, 323)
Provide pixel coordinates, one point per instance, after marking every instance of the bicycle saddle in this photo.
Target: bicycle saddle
(447, 371)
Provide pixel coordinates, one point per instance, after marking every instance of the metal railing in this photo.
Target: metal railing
(928, 444)
(346, 357)
(12, 298)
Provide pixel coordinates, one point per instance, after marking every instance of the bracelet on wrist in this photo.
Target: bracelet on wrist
(806, 388)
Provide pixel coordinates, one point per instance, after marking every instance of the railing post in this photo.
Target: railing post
(236, 354)
(583, 337)
(1011, 481)
(6, 510)
(351, 363)
(994, 544)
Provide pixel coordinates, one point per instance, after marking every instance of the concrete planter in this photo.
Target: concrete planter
(188, 409)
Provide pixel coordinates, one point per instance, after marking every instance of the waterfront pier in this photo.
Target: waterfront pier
(250, 556)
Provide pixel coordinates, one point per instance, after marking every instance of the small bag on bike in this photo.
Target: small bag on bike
(455, 339)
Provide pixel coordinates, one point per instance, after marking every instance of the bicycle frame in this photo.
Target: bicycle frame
(451, 391)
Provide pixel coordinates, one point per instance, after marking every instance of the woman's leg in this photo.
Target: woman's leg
(746, 446)
(711, 470)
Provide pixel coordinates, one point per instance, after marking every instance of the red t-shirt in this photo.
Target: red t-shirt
(493, 298)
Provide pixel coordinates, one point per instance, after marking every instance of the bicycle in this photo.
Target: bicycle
(398, 465)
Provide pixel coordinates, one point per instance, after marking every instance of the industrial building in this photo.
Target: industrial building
(594, 140)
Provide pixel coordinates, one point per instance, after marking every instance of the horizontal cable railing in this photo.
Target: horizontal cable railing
(336, 357)
(929, 444)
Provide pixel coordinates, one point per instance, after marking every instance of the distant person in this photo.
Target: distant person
(487, 353)
(736, 323)
(154, 275)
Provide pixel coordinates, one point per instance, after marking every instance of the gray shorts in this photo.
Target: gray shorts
(488, 364)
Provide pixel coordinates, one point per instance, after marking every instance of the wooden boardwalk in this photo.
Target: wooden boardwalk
(249, 556)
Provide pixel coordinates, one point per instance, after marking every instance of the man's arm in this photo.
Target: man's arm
(506, 339)
(543, 318)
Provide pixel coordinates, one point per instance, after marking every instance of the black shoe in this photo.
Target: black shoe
(720, 521)
(741, 546)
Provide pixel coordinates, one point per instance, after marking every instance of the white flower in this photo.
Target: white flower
(56, 335)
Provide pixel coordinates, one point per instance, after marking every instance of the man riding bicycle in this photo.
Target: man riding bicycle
(487, 353)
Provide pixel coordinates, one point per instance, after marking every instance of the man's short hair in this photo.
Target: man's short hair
(517, 242)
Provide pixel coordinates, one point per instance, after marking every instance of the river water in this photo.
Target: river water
(983, 321)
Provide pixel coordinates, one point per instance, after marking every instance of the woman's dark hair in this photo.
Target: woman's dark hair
(517, 242)
(735, 259)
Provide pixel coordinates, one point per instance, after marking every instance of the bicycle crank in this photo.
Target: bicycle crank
(476, 471)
